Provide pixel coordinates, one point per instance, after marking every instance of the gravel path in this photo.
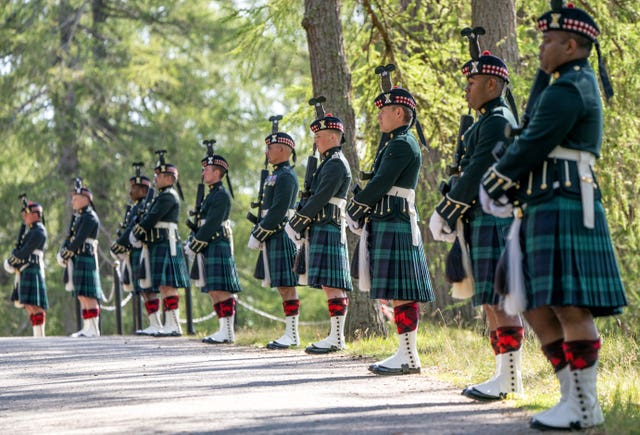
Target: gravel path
(139, 385)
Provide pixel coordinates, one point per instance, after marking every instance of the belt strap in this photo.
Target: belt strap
(172, 229)
(410, 196)
(585, 162)
(341, 203)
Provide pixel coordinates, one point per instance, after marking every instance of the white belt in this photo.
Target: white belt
(172, 228)
(410, 196)
(290, 212)
(341, 203)
(585, 161)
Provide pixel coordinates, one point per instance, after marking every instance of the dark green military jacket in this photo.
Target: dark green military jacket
(130, 219)
(85, 226)
(164, 208)
(280, 191)
(34, 238)
(479, 141)
(331, 179)
(397, 164)
(215, 210)
(569, 113)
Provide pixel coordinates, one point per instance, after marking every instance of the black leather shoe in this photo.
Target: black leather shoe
(274, 345)
(393, 371)
(472, 393)
(210, 340)
(320, 350)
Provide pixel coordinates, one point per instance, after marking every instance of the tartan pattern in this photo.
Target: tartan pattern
(509, 338)
(168, 270)
(487, 241)
(281, 253)
(566, 263)
(227, 308)
(554, 352)
(328, 258)
(134, 259)
(86, 280)
(33, 290)
(152, 306)
(581, 354)
(338, 306)
(398, 269)
(493, 339)
(406, 317)
(220, 271)
(291, 307)
(170, 303)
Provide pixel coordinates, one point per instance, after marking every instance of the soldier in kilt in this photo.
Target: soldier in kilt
(212, 248)
(163, 263)
(79, 256)
(26, 262)
(278, 251)
(569, 268)
(139, 186)
(320, 220)
(384, 215)
(487, 78)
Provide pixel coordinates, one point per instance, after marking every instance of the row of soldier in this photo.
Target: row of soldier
(542, 189)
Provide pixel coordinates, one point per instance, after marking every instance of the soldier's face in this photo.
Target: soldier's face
(477, 91)
(79, 201)
(277, 153)
(137, 192)
(325, 139)
(210, 174)
(390, 117)
(555, 50)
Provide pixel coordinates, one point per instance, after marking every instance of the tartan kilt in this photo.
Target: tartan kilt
(328, 258)
(220, 271)
(168, 270)
(281, 254)
(566, 263)
(134, 258)
(86, 279)
(33, 290)
(488, 236)
(398, 269)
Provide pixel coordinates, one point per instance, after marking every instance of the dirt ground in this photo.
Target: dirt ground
(145, 385)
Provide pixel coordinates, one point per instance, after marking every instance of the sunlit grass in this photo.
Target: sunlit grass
(463, 357)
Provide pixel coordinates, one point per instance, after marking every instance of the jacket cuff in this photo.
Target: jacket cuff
(497, 184)
(299, 222)
(357, 210)
(261, 234)
(197, 245)
(452, 210)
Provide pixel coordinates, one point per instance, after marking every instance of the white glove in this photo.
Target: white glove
(254, 243)
(440, 230)
(293, 235)
(501, 207)
(353, 226)
(134, 242)
(9, 268)
(189, 252)
(61, 261)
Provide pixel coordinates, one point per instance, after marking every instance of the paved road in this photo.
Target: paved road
(179, 385)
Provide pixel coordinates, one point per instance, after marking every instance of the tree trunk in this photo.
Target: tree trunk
(66, 122)
(331, 78)
(501, 38)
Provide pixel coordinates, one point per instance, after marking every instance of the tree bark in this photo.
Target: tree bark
(501, 38)
(331, 78)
